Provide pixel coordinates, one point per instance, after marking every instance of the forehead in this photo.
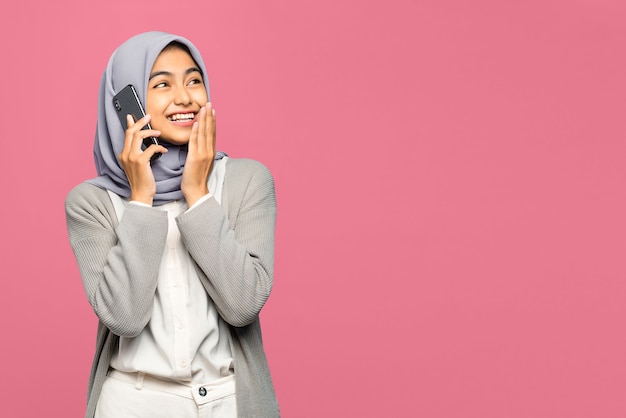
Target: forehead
(173, 58)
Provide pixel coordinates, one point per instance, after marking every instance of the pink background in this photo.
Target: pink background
(450, 179)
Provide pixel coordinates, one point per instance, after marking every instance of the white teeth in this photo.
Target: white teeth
(181, 116)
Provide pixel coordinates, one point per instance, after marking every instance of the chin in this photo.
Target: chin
(175, 141)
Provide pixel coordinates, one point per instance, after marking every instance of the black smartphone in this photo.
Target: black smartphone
(127, 102)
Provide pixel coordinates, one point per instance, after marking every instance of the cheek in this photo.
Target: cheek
(155, 109)
(155, 103)
(151, 107)
(201, 97)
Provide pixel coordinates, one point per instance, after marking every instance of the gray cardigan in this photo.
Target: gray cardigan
(232, 245)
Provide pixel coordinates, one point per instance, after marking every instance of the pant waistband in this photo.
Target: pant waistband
(200, 393)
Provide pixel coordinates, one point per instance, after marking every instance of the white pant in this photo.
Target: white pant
(135, 395)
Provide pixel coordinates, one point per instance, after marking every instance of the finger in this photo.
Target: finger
(209, 127)
(131, 138)
(130, 121)
(214, 128)
(139, 124)
(193, 138)
(153, 149)
(138, 140)
(127, 135)
(202, 126)
(139, 132)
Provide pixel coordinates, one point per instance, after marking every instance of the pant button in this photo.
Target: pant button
(202, 391)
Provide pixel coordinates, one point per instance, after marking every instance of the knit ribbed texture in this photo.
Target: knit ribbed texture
(234, 252)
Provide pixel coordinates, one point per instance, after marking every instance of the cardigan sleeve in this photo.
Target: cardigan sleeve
(118, 262)
(235, 260)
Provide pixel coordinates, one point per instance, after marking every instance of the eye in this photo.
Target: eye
(195, 81)
(160, 85)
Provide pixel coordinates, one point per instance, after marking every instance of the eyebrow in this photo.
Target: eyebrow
(169, 74)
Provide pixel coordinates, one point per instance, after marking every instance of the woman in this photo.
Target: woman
(176, 255)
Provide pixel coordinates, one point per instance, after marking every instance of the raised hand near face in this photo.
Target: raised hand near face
(200, 157)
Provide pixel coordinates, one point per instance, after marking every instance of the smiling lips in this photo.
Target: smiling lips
(182, 118)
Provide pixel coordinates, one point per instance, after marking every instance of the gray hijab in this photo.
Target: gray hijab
(131, 63)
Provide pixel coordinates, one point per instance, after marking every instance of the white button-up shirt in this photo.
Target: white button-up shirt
(185, 339)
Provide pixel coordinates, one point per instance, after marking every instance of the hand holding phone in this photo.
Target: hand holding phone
(127, 102)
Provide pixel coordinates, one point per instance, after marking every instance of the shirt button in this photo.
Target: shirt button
(183, 364)
(202, 391)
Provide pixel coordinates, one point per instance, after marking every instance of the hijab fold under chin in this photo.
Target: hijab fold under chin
(131, 64)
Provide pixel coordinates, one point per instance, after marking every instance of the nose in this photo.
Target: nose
(182, 97)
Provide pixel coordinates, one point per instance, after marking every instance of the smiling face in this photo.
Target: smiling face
(176, 92)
